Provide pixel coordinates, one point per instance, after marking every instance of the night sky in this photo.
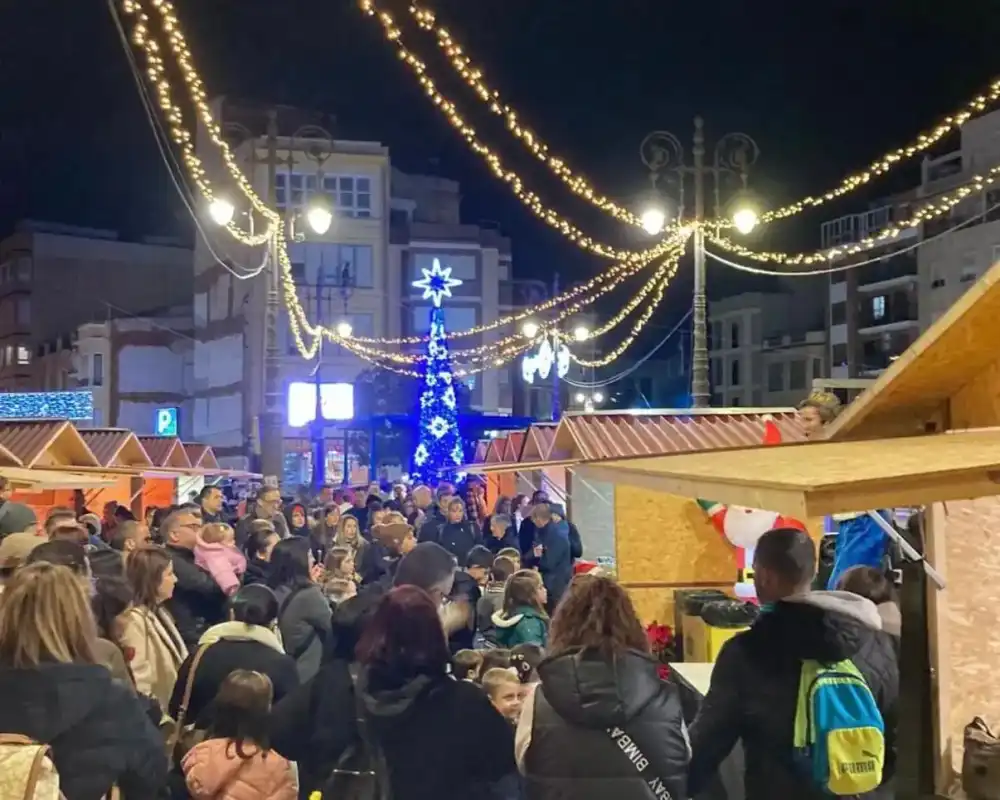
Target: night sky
(824, 87)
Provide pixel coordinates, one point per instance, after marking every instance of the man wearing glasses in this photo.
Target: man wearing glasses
(268, 508)
(198, 602)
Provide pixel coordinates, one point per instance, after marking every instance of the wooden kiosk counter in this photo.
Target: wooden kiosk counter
(927, 433)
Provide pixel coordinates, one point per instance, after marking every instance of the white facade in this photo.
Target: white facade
(387, 228)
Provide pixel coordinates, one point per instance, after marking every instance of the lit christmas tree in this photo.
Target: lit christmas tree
(440, 445)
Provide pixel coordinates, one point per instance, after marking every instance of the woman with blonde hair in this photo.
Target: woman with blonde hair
(349, 536)
(56, 695)
(150, 634)
(597, 686)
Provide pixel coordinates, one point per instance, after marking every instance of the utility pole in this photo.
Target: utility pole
(733, 155)
(555, 350)
(270, 422)
(317, 428)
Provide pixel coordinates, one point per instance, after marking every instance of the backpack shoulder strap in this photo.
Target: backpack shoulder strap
(186, 699)
(42, 752)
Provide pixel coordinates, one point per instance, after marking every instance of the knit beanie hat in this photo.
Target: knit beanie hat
(16, 547)
(16, 518)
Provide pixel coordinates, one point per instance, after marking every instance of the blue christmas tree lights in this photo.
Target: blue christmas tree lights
(440, 445)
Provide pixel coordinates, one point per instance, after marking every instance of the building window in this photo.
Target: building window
(22, 311)
(715, 336)
(797, 374)
(350, 195)
(817, 368)
(734, 372)
(23, 267)
(968, 275)
(98, 369)
(838, 313)
(776, 377)
(735, 402)
(362, 324)
(878, 307)
(734, 335)
(23, 354)
(715, 371)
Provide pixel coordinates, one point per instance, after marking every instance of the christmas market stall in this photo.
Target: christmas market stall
(926, 434)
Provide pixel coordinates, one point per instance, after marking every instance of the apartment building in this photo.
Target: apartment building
(387, 228)
(54, 278)
(949, 264)
(874, 308)
(766, 347)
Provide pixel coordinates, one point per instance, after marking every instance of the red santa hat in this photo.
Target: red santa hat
(772, 435)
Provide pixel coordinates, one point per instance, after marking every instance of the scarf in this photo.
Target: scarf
(241, 632)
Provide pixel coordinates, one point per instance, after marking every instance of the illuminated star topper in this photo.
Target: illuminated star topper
(436, 283)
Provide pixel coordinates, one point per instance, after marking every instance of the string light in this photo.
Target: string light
(637, 327)
(473, 77)
(923, 142)
(940, 206)
(394, 35)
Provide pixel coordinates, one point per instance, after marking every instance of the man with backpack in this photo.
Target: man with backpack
(810, 689)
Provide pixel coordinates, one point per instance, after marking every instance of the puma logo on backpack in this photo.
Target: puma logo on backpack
(839, 730)
(27, 770)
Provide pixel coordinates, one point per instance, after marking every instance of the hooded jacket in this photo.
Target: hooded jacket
(213, 770)
(458, 538)
(98, 730)
(489, 604)
(600, 729)
(524, 626)
(442, 739)
(556, 562)
(755, 685)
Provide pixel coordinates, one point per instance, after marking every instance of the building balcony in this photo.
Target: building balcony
(892, 272)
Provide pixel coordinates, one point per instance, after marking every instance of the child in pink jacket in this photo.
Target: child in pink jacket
(236, 762)
(217, 553)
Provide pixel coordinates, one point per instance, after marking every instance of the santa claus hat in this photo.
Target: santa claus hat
(771, 433)
(587, 568)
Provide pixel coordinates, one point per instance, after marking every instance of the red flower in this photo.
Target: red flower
(659, 636)
(663, 670)
(129, 653)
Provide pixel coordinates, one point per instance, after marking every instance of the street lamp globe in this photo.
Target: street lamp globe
(530, 329)
(745, 219)
(581, 333)
(653, 220)
(319, 216)
(598, 397)
(344, 329)
(221, 211)
(580, 397)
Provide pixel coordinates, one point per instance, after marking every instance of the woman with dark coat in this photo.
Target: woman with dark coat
(247, 641)
(418, 714)
(303, 610)
(599, 685)
(57, 694)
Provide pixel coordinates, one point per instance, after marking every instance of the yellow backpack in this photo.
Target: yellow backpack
(27, 770)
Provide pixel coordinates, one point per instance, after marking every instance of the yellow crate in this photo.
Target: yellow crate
(703, 642)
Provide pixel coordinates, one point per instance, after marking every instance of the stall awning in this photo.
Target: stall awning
(42, 480)
(812, 480)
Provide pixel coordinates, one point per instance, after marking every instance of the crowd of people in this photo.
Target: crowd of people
(408, 644)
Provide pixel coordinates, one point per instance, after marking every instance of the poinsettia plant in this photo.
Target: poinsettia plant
(661, 645)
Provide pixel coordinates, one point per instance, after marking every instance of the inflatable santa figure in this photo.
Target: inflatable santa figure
(743, 527)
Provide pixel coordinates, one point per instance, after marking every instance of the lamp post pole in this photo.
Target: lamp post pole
(734, 154)
(317, 430)
(271, 433)
(555, 349)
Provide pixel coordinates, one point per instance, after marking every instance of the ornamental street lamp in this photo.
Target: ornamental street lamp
(733, 156)
(552, 357)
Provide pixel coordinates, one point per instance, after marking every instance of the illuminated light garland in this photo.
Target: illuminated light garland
(936, 208)
(534, 203)
(923, 142)
(637, 327)
(181, 136)
(473, 77)
(298, 320)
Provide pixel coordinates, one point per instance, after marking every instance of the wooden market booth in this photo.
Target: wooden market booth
(657, 542)
(926, 433)
(52, 463)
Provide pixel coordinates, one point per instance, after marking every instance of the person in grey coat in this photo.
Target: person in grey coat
(304, 615)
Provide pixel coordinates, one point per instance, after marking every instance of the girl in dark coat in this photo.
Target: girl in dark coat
(598, 685)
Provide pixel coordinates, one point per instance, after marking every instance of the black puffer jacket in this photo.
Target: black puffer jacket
(98, 730)
(755, 685)
(197, 602)
(601, 729)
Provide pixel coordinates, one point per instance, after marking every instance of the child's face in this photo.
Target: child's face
(507, 700)
(455, 513)
(228, 538)
(347, 566)
(480, 574)
(498, 531)
(543, 595)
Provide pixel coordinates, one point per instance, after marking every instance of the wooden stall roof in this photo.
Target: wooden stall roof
(494, 452)
(512, 450)
(201, 456)
(166, 451)
(812, 480)
(538, 442)
(616, 434)
(958, 347)
(116, 447)
(480, 454)
(46, 443)
(46, 479)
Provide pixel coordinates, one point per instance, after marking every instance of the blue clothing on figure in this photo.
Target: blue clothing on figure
(860, 543)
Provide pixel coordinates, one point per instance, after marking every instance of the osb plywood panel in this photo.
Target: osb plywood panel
(668, 539)
(828, 465)
(972, 557)
(657, 605)
(953, 351)
(977, 404)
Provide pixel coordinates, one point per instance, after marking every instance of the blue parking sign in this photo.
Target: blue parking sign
(166, 422)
